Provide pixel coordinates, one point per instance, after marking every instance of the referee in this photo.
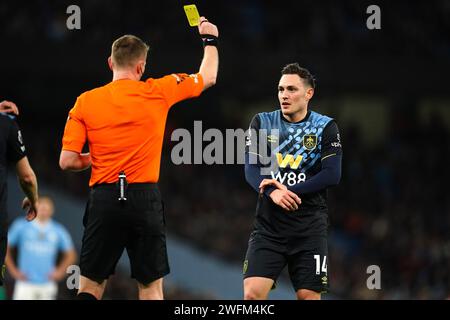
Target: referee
(123, 123)
(12, 150)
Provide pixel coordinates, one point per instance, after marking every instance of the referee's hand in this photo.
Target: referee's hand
(30, 209)
(207, 28)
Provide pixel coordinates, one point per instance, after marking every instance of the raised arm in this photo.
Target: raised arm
(210, 63)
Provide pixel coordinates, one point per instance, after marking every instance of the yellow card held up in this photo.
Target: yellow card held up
(192, 14)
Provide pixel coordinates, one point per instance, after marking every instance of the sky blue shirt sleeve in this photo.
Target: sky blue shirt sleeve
(64, 240)
(14, 232)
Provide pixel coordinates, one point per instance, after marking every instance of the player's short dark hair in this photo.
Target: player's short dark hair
(304, 74)
(127, 50)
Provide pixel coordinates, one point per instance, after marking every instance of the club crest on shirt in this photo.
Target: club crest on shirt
(309, 141)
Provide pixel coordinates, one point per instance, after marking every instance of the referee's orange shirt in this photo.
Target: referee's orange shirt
(124, 124)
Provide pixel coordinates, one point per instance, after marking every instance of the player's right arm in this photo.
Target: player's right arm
(12, 267)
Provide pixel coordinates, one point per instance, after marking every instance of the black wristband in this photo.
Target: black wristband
(210, 40)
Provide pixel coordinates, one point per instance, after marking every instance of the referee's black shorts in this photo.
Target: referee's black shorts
(137, 225)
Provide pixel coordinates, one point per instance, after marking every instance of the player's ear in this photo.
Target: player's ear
(110, 63)
(309, 93)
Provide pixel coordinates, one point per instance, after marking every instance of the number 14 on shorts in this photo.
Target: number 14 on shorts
(324, 264)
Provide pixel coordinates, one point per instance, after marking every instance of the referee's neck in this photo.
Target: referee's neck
(125, 75)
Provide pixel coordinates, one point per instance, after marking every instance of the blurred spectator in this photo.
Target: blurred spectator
(38, 244)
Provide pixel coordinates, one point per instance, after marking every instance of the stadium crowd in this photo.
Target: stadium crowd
(321, 26)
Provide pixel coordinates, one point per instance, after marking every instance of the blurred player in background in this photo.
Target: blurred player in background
(291, 224)
(123, 123)
(38, 244)
(12, 150)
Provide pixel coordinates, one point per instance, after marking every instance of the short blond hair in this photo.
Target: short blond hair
(127, 50)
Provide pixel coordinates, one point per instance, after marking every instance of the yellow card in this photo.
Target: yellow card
(192, 15)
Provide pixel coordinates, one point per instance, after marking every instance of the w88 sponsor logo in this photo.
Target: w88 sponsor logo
(291, 178)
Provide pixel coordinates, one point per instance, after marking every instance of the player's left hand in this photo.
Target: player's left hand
(9, 107)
